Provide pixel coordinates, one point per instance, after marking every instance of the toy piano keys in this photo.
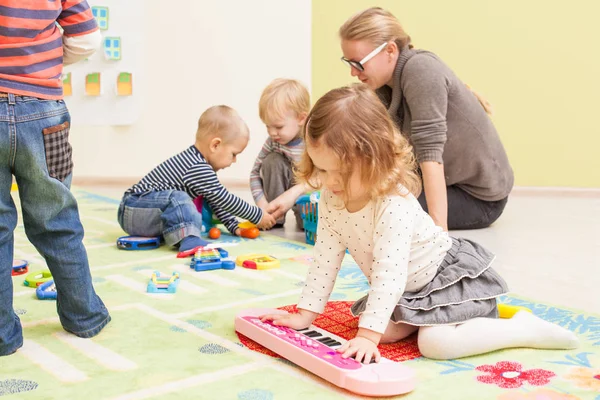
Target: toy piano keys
(314, 350)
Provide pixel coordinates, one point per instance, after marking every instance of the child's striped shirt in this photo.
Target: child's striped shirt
(189, 172)
(31, 44)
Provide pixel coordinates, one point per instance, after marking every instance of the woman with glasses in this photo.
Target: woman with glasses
(465, 171)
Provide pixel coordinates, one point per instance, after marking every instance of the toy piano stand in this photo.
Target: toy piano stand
(46, 291)
(207, 259)
(314, 350)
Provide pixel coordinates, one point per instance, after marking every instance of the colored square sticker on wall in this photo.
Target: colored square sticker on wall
(125, 84)
(112, 48)
(101, 15)
(92, 84)
(67, 86)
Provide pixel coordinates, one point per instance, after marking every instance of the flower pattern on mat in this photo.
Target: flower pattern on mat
(352, 272)
(539, 394)
(510, 375)
(213, 348)
(198, 323)
(255, 394)
(579, 360)
(176, 329)
(586, 378)
(305, 259)
(10, 386)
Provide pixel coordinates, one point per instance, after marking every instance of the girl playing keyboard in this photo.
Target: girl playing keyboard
(420, 278)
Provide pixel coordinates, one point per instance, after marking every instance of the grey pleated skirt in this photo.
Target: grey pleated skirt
(465, 287)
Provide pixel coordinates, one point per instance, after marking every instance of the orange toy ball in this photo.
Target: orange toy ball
(214, 233)
(250, 233)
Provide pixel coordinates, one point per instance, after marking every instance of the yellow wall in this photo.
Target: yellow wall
(537, 62)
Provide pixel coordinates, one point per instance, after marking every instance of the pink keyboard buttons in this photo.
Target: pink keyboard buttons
(306, 343)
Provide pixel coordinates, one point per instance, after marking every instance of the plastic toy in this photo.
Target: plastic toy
(507, 311)
(162, 284)
(314, 350)
(191, 252)
(257, 261)
(208, 218)
(249, 233)
(309, 207)
(20, 267)
(138, 243)
(35, 279)
(214, 233)
(46, 291)
(246, 225)
(209, 259)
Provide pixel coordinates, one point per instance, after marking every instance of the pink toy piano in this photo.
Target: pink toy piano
(314, 350)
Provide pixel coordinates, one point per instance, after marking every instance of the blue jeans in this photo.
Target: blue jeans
(170, 213)
(34, 148)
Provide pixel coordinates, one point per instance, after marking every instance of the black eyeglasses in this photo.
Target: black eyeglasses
(359, 65)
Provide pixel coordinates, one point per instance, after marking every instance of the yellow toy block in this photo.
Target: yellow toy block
(507, 311)
(246, 225)
(257, 261)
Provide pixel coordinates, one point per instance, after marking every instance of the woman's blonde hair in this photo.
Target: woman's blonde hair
(354, 124)
(376, 26)
(281, 96)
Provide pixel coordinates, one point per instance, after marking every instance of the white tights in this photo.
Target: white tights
(482, 335)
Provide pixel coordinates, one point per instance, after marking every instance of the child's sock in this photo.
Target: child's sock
(190, 242)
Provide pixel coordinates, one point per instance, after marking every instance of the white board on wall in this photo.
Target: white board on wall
(214, 52)
(121, 54)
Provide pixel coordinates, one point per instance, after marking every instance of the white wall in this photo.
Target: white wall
(199, 54)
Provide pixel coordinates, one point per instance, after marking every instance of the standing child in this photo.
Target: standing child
(34, 147)
(283, 108)
(161, 203)
(420, 278)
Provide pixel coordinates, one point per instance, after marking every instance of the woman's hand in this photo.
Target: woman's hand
(436, 193)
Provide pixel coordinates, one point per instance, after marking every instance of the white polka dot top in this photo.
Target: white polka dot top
(396, 244)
